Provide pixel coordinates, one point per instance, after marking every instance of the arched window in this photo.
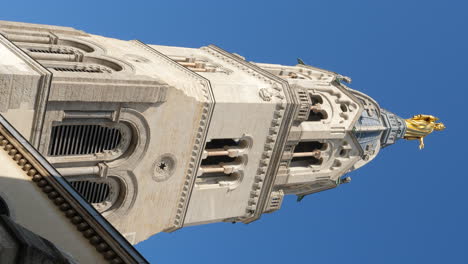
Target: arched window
(308, 153)
(316, 112)
(71, 139)
(223, 162)
(62, 55)
(103, 194)
(79, 68)
(67, 63)
(50, 50)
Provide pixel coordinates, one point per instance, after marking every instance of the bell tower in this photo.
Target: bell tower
(157, 137)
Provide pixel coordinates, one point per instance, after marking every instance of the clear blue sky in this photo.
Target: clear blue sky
(407, 206)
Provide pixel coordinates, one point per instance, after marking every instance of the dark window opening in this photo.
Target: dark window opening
(316, 113)
(68, 140)
(316, 116)
(316, 99)
(343, 152)
(221, 143)
(216, 176)
(93, 192)
(306, 146)
(307, 153)
(222, 158)
(305, 161)
(216, 160)
(344, 108)
(73, 69)
(51, 51)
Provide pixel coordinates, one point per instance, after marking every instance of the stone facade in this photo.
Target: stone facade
(43, 219)
(167, 137)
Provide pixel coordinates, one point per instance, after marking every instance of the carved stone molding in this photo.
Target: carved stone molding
(128, 193)
(72, 205)
(204, 95)
(42, 92)
(142, 135)
(286, 104)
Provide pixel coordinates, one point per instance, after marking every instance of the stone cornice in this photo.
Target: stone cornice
(107, 241)
(43, 89)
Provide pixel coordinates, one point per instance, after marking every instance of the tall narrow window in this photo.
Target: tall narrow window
(316, 112)
(308, 153)
(223, 160)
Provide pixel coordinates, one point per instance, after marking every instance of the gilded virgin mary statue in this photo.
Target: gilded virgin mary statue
(420, 126)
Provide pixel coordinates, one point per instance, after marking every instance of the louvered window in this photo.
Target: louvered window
(50, 51)
(103, 194)
(93, 192)
(69, 140)
(78, 69)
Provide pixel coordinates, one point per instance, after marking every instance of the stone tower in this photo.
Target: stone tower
(158, 138)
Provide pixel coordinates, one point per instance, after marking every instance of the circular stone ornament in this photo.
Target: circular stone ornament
(163, 168)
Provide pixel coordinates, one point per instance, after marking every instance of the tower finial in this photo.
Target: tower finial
(419, 126)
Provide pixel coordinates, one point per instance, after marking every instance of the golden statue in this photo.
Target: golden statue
(420, 126)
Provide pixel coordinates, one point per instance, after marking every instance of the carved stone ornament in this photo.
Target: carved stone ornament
(265, 94)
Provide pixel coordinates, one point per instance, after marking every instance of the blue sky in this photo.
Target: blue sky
(407, 206)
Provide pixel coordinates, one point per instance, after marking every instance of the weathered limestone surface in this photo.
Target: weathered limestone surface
(158, 137)
(18, 90)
